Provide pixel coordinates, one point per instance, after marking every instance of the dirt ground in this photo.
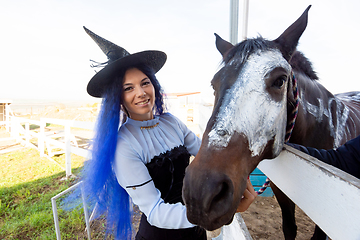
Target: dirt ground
(263, 218)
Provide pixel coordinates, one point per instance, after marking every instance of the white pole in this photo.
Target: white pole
(27, 133)
(7, 113)
(54, 208)
(234, 21)
(87, 223)
(56, 218)
(245, 19)
(67, 150)
(41, 138)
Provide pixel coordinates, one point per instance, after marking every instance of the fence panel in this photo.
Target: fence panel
(24, 134)
(66, 145)
(329, 196)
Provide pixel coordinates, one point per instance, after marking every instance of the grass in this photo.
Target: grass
(27, 184)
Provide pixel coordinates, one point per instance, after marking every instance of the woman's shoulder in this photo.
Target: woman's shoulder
(125, 134)
(169, 118)
(166, 115)
(127, 145)
(171, 121)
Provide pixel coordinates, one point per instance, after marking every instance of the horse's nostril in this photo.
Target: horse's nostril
(224, 189)
(222, 196)
(209, 203)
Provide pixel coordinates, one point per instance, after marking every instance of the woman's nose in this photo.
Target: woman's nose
(140, 92)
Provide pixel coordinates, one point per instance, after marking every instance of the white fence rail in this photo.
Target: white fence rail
(329, 196)
(55, 212)
(65, 139)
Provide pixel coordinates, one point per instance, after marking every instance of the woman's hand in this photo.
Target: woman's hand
(248, 197)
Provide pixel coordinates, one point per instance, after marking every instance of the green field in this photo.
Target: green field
(27, 184)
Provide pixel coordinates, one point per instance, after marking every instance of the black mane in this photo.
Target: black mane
(300, 63)
(247, 47)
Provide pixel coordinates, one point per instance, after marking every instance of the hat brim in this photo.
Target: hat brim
(100, 81)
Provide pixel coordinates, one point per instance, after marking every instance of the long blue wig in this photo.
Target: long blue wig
(100, 183)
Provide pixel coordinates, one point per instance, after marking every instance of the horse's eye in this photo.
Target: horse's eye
(222, 132)
(279, 82)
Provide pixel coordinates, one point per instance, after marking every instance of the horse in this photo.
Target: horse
(254, 100)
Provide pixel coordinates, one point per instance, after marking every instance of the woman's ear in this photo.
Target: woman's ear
(124, 110)
(124, 114)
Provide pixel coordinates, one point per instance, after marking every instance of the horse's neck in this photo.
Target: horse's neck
(322, 118)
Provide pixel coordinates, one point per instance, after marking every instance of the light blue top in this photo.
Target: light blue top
(135, 148)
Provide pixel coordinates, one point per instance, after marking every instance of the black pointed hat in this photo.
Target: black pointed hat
(119, 59)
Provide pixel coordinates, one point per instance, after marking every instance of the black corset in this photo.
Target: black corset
(167, 171)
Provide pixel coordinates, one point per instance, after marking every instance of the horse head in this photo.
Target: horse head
(248, 123)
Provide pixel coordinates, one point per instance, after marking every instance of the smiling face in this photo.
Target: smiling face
(138, 95)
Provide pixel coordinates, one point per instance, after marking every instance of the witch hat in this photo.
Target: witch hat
(118, 60)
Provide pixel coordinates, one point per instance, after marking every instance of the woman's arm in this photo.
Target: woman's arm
(247, 198)
(134, 177)
(346, 157)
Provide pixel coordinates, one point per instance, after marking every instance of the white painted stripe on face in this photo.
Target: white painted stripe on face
(248, 109)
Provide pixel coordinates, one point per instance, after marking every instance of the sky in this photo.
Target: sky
(45, 53)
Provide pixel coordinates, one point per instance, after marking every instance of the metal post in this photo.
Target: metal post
(7, 113)
(27, 133)
(56, 218)
(245, 19)
(234, 21)
(67, 150)
(87, 222)
(15, 128)
(54, 208)
(41, 138)
(92, 215)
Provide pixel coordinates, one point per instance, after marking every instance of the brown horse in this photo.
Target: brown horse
(253, 100)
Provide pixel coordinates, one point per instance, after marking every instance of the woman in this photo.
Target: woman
(144, 159)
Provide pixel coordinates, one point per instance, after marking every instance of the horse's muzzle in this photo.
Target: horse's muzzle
(209, 198)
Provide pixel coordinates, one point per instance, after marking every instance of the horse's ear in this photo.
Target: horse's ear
(288, 40)
(222, 45)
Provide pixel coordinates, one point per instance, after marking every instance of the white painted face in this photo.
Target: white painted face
(249, 109)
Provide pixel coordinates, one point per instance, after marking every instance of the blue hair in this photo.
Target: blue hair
(100, 183)
(159, 101)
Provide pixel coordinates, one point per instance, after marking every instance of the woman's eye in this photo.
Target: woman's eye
(279, 82)
(146, 83)
(127, 89)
